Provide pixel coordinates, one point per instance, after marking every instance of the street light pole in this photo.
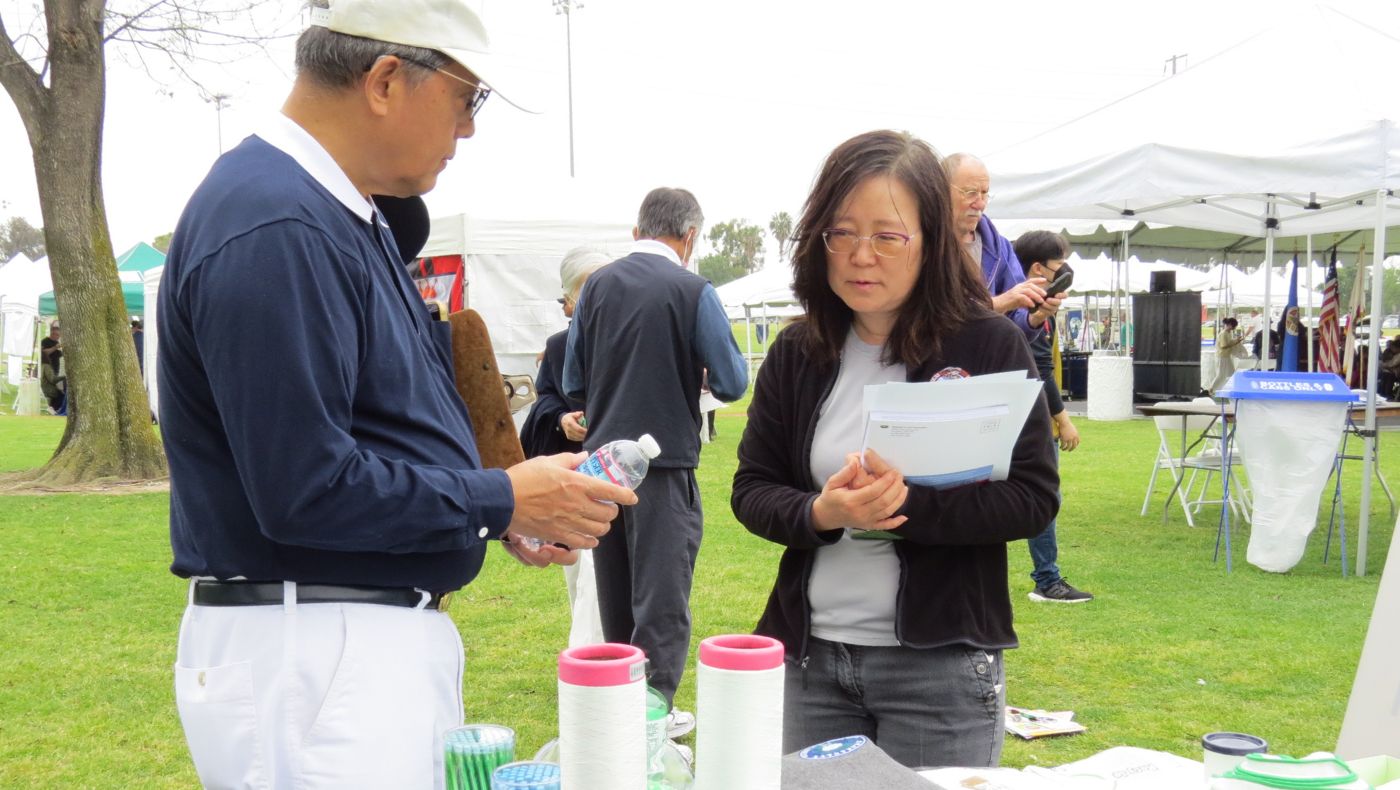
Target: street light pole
(219, 100)
(566, 7)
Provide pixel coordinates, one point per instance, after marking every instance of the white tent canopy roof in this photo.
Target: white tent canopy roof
(1326, 186)
(1175, 159)
(771, 284)
(22, 281)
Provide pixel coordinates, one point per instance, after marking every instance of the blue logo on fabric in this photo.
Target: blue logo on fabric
(836, 747)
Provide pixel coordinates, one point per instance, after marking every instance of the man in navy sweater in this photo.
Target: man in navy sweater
(644, 330)
(327, 495)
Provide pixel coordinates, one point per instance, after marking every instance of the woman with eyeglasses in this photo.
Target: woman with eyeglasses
(555, 423)
(898, 638)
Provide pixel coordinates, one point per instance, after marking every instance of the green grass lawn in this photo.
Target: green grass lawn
(1172, 647)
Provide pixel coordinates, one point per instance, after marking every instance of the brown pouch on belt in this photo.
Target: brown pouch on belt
(479, 385)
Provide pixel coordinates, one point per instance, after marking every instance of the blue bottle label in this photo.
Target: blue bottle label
(603, 466)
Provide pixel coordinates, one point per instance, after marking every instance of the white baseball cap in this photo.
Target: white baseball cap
(447, 26)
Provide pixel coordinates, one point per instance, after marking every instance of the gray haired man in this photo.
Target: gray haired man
(645, 330)
(322, 517)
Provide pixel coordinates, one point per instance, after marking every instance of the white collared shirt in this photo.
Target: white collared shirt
(287, 136)
(654, 247)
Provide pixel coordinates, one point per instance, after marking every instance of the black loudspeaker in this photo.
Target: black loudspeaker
(1162, 282)
(1167, 344)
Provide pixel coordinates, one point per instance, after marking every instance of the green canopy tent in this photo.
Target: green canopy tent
(130, 266)
(133, 293)
(140, 258)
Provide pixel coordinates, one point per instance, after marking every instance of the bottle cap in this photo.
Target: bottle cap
(648, 446)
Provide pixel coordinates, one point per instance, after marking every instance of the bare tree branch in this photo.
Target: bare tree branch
(20, 80)
(131, 19)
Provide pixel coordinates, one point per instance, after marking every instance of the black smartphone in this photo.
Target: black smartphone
(1063, 280)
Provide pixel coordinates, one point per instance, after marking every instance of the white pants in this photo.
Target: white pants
(323, 695)
(586, 627)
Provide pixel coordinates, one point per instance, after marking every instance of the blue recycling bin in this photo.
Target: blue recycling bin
(1287, 426)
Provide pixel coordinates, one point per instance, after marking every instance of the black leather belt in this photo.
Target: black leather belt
(217, 593)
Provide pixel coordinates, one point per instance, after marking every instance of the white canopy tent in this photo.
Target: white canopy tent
(150, 334)
(769, 286)
(512, 274)
(1319, 173)
(766, 294)
(21, 283)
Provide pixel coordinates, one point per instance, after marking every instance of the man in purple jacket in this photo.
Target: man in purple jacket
(1028, 306)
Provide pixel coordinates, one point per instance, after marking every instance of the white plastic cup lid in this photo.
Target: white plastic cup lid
(1234, 743)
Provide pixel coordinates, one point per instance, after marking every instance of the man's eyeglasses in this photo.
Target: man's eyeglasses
(886, 244)
(973, 194)
(475, 99)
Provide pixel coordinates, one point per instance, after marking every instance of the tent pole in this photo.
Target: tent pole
(748, 333)
(1122, 270)
(1373, 354)
(1312, 363)
(1268, 281)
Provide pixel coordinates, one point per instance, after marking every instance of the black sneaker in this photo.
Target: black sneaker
(1059, 591)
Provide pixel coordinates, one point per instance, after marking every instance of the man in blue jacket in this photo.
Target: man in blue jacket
(1026, 303)
(326, 493)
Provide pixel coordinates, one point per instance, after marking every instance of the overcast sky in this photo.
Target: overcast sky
(738, 100)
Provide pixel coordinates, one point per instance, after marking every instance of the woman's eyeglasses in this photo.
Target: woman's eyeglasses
(886, 244)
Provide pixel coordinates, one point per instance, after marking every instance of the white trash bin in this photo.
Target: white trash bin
(1110, 387)
(1287, 426)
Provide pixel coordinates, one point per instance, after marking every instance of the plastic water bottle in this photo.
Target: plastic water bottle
(621, 462)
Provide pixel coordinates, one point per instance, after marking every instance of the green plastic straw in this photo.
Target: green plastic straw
(472, 752)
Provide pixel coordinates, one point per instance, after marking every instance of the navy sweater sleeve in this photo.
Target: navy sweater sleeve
(290, 431)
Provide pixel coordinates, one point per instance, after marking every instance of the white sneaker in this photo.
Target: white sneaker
(686, 754)
(679, 723)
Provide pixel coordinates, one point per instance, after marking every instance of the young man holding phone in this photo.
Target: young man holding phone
(1042, 255)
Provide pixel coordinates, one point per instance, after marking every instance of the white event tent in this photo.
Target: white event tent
(1215, 149)
(21, 283)
(512, 274)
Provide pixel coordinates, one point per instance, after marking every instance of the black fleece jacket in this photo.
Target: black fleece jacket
(953, 583)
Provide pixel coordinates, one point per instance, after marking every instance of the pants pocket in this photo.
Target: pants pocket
(219, 716)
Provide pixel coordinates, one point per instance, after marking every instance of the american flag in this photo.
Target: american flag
(1329, 333)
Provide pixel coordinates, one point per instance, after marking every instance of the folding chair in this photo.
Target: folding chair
(1173, 454)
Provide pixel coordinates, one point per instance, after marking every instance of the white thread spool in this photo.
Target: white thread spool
(602, 718)
(739, 705)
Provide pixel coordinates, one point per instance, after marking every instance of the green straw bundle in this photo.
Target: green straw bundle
(473, 752)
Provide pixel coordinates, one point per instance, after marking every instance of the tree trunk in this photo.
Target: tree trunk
(109, 433)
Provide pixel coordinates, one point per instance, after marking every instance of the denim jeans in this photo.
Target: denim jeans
(925, 708)
(1045, 551)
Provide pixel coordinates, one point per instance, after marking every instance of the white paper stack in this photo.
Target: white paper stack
(950, 432)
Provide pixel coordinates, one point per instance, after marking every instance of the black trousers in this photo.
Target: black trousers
(644, 567)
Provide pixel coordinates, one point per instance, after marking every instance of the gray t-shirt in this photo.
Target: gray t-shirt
(974, 247)
(854, 582)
